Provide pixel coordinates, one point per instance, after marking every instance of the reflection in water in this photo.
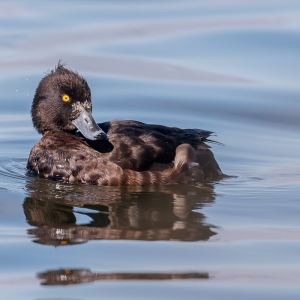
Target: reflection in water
(131, 213)
(75, 276)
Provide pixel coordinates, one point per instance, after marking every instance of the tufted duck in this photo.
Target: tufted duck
(110, 153)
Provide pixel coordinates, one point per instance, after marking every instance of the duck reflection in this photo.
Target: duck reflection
(76, 276)
(135, 213)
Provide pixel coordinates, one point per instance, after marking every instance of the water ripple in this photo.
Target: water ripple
(12, 174)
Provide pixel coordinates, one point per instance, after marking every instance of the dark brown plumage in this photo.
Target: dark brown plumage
(135, 154)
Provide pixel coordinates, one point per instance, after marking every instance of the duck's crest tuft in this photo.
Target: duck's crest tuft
(60, 68)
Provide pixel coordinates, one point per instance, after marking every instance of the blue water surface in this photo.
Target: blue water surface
(232, 68)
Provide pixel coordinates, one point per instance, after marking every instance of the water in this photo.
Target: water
(232, 68)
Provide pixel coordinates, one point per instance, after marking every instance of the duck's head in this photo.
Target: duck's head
(62, 101)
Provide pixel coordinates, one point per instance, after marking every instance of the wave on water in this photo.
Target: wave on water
(13, 174)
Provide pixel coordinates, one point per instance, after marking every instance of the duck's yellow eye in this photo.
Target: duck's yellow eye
(65, 98)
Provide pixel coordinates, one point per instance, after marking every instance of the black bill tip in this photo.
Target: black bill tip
(101, 136)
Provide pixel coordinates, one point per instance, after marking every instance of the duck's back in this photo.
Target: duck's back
(138, 146)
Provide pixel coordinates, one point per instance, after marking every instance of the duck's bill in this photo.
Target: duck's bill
(86, 124)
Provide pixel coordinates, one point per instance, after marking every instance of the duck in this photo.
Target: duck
(77, 150)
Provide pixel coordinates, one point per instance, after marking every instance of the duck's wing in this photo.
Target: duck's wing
(139, 146)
